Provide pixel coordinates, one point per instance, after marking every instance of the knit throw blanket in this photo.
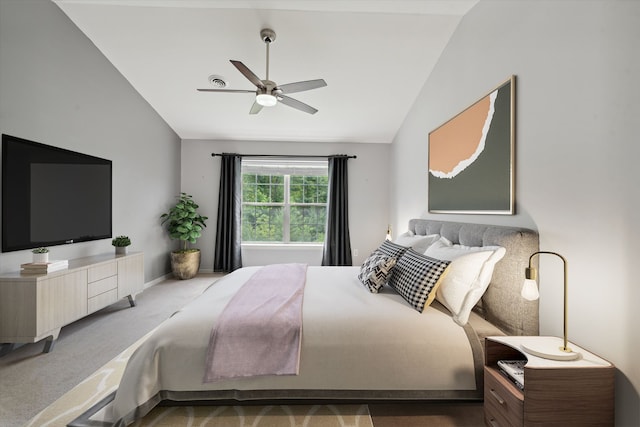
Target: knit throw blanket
(259, 332)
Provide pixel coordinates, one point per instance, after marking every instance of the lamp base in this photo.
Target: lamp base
(549, 348)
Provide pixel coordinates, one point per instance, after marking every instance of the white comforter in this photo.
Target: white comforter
(352, 340)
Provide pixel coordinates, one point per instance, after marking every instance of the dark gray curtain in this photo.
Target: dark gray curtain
(228, 255)
(337, 243)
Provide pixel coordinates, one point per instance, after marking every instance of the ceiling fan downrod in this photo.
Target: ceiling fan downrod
(268, 36)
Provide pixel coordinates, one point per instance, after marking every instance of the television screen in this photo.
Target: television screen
(52, 196)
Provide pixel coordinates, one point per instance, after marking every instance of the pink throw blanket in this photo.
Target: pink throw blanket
(259, 332)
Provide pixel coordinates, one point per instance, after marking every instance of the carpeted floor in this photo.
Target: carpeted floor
(30, 381)
(72, 407)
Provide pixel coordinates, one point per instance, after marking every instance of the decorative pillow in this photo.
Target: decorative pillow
(469, 276)
(375, 271)
(416, 242)
(391, 249)
(416, 278)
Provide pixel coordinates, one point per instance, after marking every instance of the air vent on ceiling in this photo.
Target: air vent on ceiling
(217, 81)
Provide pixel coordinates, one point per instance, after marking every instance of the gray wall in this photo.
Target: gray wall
(368, 194)
(577, 67)
(58, 89)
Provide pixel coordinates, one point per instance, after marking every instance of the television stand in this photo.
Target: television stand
(34, 307)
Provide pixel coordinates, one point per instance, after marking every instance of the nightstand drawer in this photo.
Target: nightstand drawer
(503, 404)
(493, 418)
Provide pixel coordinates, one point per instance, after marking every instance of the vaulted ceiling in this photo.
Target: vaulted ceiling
(375, 57)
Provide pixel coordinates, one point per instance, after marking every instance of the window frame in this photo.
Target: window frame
(287, 169)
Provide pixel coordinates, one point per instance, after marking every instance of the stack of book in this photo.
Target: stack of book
(43, 267)
(514, 370)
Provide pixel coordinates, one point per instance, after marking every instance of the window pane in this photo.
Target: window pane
(263, 193)
(277, 193)
(323, 187)
(307, 223)
(263, 179)
(264, 189)
(248, 188)
(296, 190)
(262, 223)
(308, 189)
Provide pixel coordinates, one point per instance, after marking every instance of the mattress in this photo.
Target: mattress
(355, 346)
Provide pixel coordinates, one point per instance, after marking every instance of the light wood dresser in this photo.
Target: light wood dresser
(556, 393)
(35, 306)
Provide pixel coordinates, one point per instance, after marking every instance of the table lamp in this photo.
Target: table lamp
(546, 347)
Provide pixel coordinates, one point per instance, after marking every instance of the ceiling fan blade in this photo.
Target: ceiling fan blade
(302, 86)
(248, 74)
(297, 104)
(255, 108)
(227, 90)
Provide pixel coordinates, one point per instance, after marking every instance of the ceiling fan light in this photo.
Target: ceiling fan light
(266, 100)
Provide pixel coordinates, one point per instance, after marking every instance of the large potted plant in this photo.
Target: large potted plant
(184, 223)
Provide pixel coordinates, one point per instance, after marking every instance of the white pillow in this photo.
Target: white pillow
(469, 275)
(417, 242)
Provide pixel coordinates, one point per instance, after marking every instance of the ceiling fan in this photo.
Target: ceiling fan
(268, 93)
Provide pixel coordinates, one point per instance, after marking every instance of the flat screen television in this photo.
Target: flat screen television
(52, 196)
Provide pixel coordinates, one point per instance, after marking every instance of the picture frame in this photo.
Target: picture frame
(471, 157)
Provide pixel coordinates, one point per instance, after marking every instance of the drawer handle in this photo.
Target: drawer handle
(493, 423)
(497, 396)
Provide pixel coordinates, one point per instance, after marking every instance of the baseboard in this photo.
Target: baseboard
(158, 280)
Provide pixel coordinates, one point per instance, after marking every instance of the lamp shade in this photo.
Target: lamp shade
(530, 290)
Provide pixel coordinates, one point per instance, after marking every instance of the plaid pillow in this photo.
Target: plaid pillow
(375, 271)
(416, 278)
(391, 249)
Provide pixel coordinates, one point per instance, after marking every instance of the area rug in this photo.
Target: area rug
(105, 381)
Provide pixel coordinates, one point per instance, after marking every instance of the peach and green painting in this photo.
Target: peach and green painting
(471, 157)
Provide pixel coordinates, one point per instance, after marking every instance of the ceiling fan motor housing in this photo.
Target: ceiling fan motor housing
(268, 35)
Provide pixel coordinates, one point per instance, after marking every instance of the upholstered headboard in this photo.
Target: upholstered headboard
(501, 304)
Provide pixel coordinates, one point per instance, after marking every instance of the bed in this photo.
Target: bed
(356, 345)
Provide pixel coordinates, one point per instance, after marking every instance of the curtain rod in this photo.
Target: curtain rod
(286, 155)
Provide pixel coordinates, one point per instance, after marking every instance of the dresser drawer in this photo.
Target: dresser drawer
(102, 271)
(102, 300)
(503, 405)
(102, 286)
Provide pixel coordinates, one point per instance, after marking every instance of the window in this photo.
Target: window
(284, 201)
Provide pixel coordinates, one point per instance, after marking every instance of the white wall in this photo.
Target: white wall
(58, 89)
(368, 194)
(577, 66)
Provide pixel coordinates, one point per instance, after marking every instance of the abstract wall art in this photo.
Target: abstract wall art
(471, 157)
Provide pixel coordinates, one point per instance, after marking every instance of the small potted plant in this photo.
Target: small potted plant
(184, 223)
(121, 243)
(40, 255)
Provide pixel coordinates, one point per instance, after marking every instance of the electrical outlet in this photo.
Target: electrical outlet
(355, 252)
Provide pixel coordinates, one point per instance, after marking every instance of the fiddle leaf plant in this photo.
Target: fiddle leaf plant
(183, 221)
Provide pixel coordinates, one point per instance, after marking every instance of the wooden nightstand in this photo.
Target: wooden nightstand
(556, 393)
